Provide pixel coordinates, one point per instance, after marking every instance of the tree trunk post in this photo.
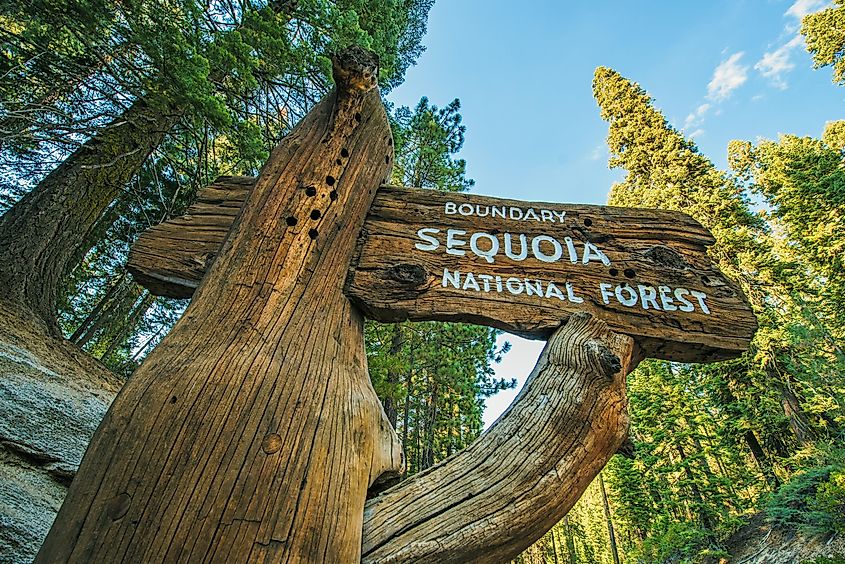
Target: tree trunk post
(495, 498)
(252, 431)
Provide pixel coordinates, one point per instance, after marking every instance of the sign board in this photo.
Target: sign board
(524, 267)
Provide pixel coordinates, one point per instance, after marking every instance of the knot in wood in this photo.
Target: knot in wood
(271, 443)
(665, 256)
(118, 506)
(406, 274)
(608, 362)
(355, 69)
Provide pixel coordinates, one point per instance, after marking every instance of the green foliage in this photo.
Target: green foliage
(825, 35)
(813, 501)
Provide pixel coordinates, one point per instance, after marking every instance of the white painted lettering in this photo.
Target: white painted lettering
(535, 248)
(666, 298)
(431, 243)
(553, 291)
(498, 211)
(648, 295)
(604, 288)
(453, 278)
(531, 214)
(523, 245)
(489, 253)
(486, 278)
(514, 286)
(559, 215)
(516, 213)
(629, 301)
(570, 294)
(570, 248)
(450, 208)
(591, 252)
(470, 283)
(452, 241)
(534, 288)
(701, 296)
(465, 209)
(547, 216)
(687, 305)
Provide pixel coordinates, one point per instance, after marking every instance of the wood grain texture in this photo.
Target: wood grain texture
(495, 498)
(252, 432)
(392, 280)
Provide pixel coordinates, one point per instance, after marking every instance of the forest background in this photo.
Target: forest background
(113, 116)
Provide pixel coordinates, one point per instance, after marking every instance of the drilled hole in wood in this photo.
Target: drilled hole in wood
(291, 221)
(344, 153)
(614, 272)
(310, 191)
(338, 162)
(357, 117)
(587, 221)
(312, 233)
(330, 180)
(315, 214)
(629, 273)
(333, 195)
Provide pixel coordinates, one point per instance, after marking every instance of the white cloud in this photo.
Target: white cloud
(697, 117)
(696, 133)
(727, 77)
(775, 64)
(803, 7)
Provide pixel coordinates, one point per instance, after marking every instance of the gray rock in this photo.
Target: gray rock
(46, 422)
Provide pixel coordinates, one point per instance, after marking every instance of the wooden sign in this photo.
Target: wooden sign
(520, 266)
(252, 432)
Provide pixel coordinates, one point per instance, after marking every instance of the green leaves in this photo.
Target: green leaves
(825, 35)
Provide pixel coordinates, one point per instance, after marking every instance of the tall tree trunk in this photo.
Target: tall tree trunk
(45, 234)
(252, 431)
(390, 408)
(610, 532)
(703, 516)
(49, 231)
(570, 542)
(89, 319)
(115, 311)
(129, 324)
(799, 420)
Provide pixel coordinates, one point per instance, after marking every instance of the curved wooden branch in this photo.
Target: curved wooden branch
(494, 499)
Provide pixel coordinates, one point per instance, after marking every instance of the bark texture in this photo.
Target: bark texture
(46, 233)
(252, 431)
(498, 496)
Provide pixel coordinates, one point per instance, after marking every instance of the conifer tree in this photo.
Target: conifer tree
(666, 170)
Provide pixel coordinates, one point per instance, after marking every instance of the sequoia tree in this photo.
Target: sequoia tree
(46, 233)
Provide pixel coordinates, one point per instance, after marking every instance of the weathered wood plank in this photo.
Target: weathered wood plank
(427, 255)
(634, 257)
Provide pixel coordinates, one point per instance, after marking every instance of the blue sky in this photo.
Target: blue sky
(719, 70)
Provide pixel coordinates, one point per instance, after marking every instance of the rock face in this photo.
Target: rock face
(52, 397)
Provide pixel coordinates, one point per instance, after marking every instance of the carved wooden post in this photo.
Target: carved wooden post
(252, 431)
